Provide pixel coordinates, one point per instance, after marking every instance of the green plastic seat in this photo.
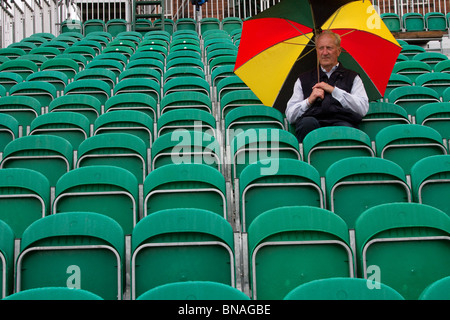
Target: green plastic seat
(254, 145)
(183, 72)
(9, 79)
(6, 259)
(324, 146)
(119, 149)
(186, 185)
(438, 81)
(343, 289)
(186, 24)
(126, 121)
(396, 80)
(186, 146)
(442, 66)
(392, 21)
(87, 105)
(412, 69)
(105, 75)
(71, 126)
(430, 181)
(71, 25)
(42, 91)
(185, 99)
(149, 63)
(9, 130)
(193, 290)
(229, 24)
(65, 65)
(355, 184)
(435, 115)
(136, 85)
(413, 21)
(432, 58)
(181, 245)
(12, 53)
(279, 182)
(237, 98)
(48, 52)
(438, 290)
(53, 294)
(91, 87)
(381, 115)
(251, 117)
(187, 119)
(141, 73)
(116, 26)
(86, 51)
(20, 66)
(185, 62)
(83, 250)
(405, 144)
(289, 246)
(405, 245)
(109, 190)
(50, 155)
(209, 24)
(133, 101)
(187, 83)
(93, 25)
(435, 21)
(58, 79)
(22, 108)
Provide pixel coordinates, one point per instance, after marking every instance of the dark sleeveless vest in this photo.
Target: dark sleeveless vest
(330, 108)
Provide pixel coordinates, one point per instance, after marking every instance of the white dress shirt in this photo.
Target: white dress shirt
(356, 100)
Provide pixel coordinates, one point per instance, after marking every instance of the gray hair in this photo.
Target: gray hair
(331, 33)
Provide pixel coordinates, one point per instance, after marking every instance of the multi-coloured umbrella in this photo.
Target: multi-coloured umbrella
(277, 45)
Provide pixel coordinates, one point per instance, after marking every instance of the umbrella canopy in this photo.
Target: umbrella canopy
(277, 45)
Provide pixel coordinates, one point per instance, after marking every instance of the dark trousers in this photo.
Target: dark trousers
(305, 125)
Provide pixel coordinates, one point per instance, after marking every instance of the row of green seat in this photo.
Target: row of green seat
(415, 21)
(86, 250)
(116, 26)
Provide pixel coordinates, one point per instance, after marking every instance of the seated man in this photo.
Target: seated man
(335, 97)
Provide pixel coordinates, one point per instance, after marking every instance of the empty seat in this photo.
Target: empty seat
(86, 105)
(343, 289)
(58, 79)
(279, 182)
(435, 115)
(258, 116)
(109, 190)
(91, 87)
(405, 144)
(289, 246)
(185, 99)
(188, 185)
(412, 69)
(116, 26)
(435, 21)
(355, 184)
(413, 21)
(6, 259)
(24, 109)
(324, 146)
(194, 290)
(9, 79)
(126, 121)
(405, 245)
(133, 101)
(438, 81)
(238, 98)
(186, 146)
(187, 119)
(136, 85)
(254, 145)
(430, 181)
(65, 65)
(50, 155)
(20, 66)
(187, 83)
(119, 149)
(432, 58)
(71, 126)
(93, 25)
(82, 250)
(42, 91)
(392, 21)
(53, 293)
(203, 251)
(381, 115)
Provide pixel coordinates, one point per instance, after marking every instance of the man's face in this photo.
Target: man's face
(327, 51)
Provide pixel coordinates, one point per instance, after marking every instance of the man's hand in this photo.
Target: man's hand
(317, 93)
(324, 86)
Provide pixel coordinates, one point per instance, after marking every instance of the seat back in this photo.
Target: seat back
(82, 250)
(111, 191)
(405, 244)
(6, 259)
(289, 246)
(181, 245)
(358, 183)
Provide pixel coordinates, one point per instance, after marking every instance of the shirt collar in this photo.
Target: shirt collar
(331, 71)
